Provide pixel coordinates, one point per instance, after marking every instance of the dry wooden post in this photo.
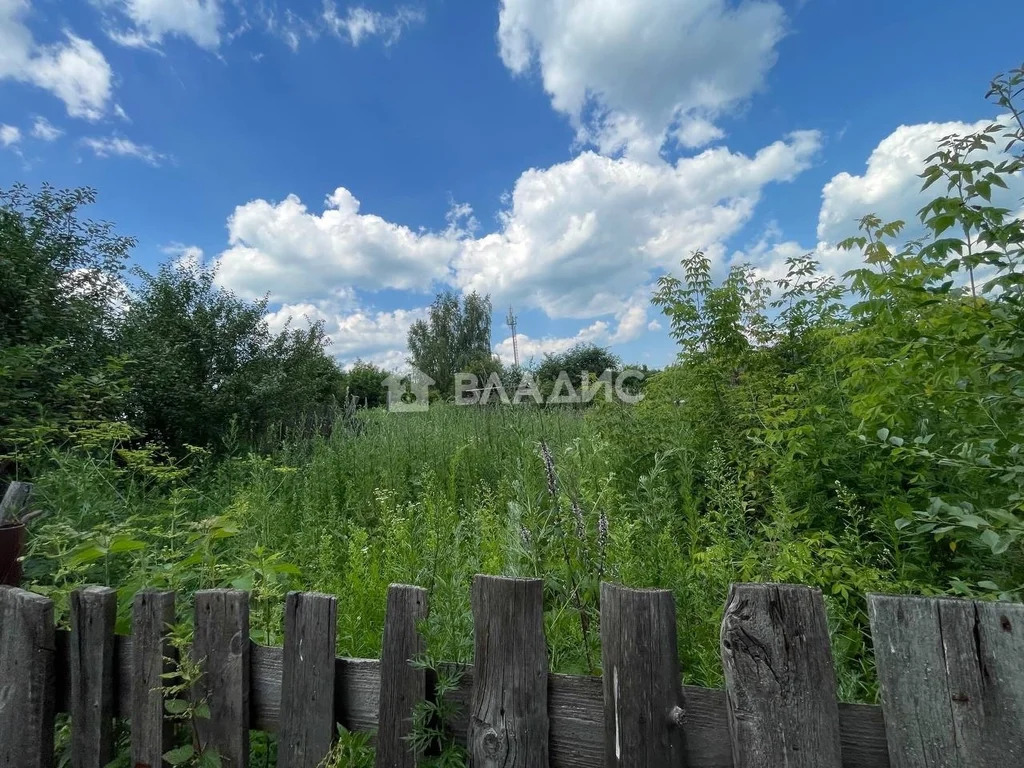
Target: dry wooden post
(402, 686)
(951, 679)
(152, 614)
(16, 498)
(307, 680)
(508, 724)
(642, 685)
(779, 678)
(91, 652)
(221, 646)
(28, 696)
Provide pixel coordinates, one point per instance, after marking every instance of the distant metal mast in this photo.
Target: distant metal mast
(511, 321)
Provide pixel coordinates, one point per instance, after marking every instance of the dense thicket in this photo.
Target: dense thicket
(170, 362)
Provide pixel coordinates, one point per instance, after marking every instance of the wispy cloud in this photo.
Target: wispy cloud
(9, 135)
(44, 130)
(359, 23)
(118, 146)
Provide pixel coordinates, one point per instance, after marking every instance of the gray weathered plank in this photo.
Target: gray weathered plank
(28, 695)
(152, 614)
(642, 688)
(402, 686)
(92, 673)
(508, 723)
(221, 645)
(307, 681)
(779, 679)
(356, 686)
(951, 679)
(16, 499)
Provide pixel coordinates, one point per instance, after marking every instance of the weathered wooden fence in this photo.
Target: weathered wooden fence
(951, 673)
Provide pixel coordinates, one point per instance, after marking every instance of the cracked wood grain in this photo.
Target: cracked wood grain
(508, 724)
(402, 685)
(780, 682)
(952, 680)
(27, 679)
(307, 680)
(92, 676)
(152, 616)
(221, 646)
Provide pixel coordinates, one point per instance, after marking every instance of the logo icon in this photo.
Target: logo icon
(408, 392)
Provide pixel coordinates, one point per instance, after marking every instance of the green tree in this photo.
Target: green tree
(454, 336)
(939, 379)
(365, 381)
(60, 299)
(581, 363)
(202, 359)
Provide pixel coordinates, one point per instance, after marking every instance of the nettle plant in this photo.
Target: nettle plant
(941, 382)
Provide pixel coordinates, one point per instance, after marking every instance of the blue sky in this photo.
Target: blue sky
(350, 160)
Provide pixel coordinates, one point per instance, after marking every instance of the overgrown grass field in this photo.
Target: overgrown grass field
(434, 498)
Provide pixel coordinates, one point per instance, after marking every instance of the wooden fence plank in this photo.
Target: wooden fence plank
(221, 645)
(642, 686)
(307, 683)
(508, 724)
(28, 695)
(401, 685)
(779, 678)
(952, 681)
(92, 673)
(152, 614)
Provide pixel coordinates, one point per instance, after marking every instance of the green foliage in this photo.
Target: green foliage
(452, 338)
(183, 706)
(582, 364)
(365, 381)
(200, 358)
(172, 363)
(59, 301)
(939, 386)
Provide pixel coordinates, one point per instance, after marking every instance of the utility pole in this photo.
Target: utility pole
(511, 322)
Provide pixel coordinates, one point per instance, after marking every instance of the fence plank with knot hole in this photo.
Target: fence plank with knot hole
(152, 617)
(28, 699)
(508, 725)
(779, 679)
(221, 646)
(642, 688)
(952, 681)
(92, 673)
(402, 685)
(307, 682)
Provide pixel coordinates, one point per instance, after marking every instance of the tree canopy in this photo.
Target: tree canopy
(454, 337)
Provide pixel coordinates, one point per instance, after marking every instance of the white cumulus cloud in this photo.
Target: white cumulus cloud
(889, 186)
(295, 254)
(627, 72)
(145, 23)
(378, 337)
(73, 69)
(580, 237)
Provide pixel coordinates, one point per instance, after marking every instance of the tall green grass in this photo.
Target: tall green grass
(434, 498)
